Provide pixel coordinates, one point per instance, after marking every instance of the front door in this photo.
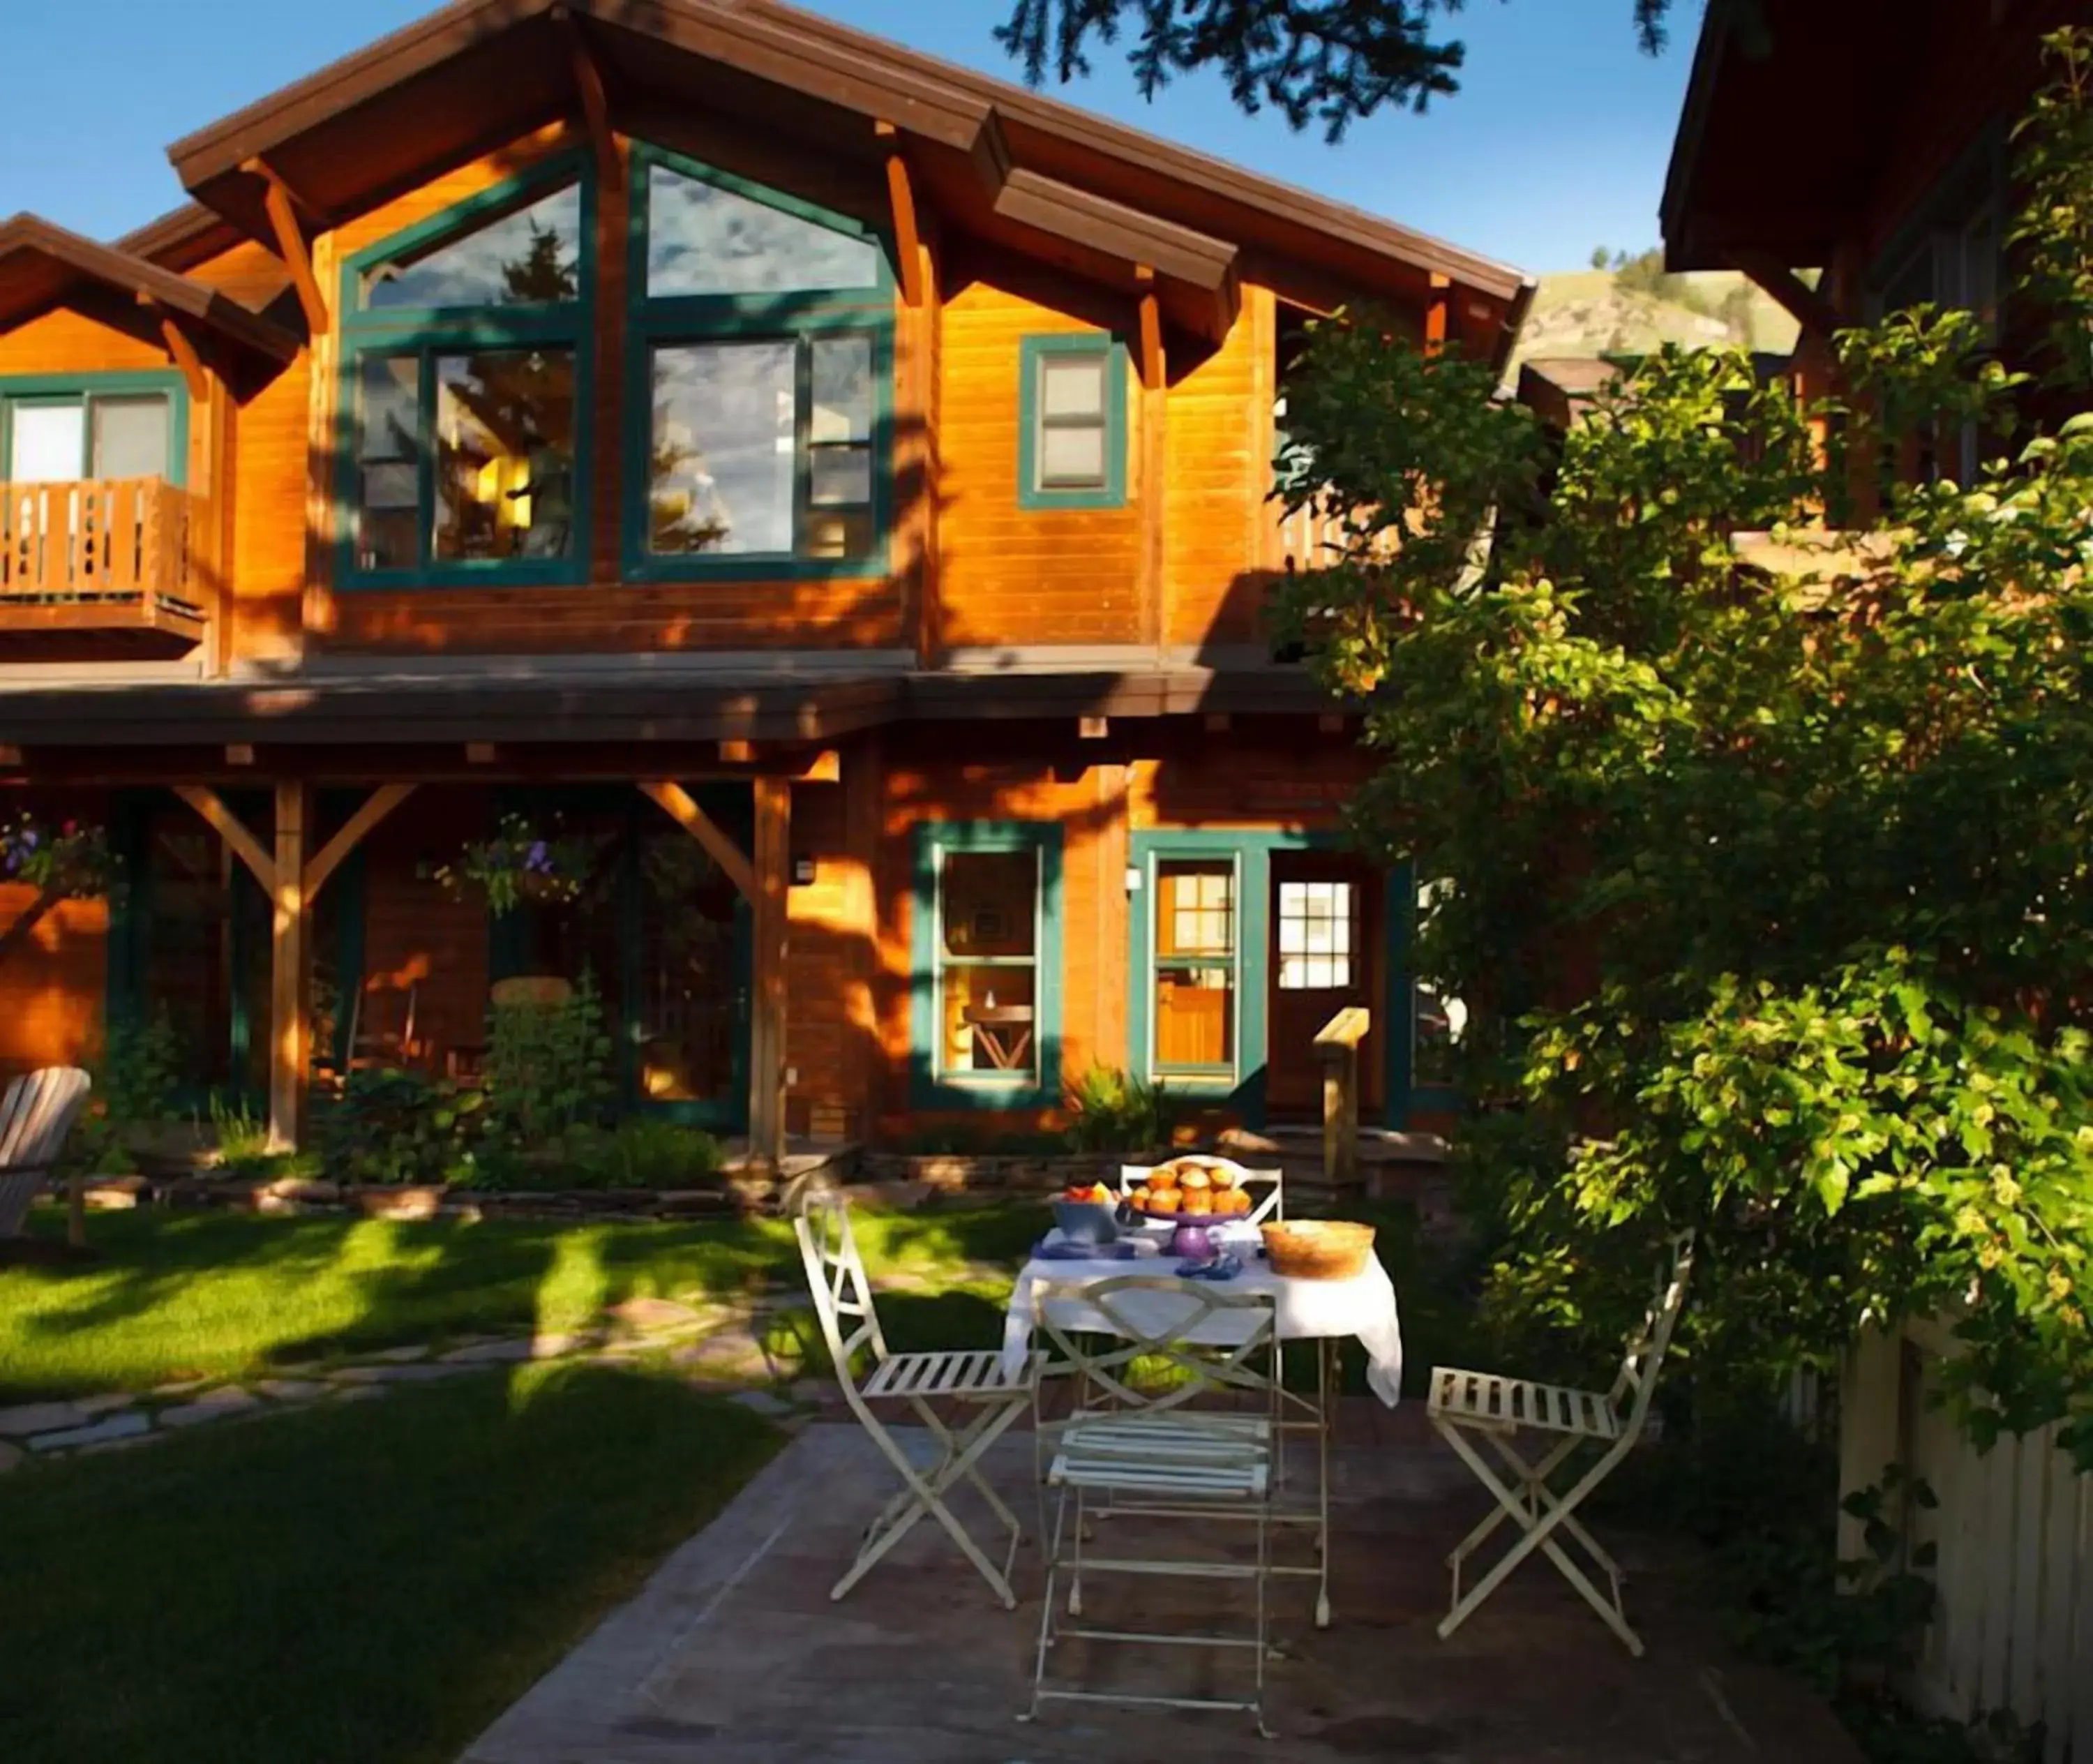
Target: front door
(1324, 919)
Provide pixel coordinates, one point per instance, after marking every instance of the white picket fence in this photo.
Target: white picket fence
(2012, 1627)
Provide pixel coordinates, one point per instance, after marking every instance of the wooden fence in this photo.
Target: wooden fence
(2013, 1628)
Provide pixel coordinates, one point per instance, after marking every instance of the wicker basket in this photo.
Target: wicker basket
(1318, 1248)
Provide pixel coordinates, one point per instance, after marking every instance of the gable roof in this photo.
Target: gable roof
(42, 265)
(999, 159)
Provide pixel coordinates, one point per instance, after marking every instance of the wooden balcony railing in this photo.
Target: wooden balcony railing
(106, 555)
(1338, 1048)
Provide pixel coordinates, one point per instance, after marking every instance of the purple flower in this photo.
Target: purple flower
(538, 858)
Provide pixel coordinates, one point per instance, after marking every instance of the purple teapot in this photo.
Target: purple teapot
(1192, 1241)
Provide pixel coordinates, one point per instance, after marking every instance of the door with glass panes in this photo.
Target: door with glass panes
(1324, 925)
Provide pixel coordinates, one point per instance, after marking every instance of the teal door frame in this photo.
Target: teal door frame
(1251, 850)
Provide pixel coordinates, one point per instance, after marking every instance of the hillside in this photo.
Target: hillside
(1588, 312)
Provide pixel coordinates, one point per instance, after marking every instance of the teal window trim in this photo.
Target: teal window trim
(84, 388)
(1041, 1088)
(433, 331)
(799, 315)
(1033, 353)
(1406, 1097)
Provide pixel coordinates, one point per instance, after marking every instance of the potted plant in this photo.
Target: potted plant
(518, 863)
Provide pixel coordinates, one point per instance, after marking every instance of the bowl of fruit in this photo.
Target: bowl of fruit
(1087, 1213)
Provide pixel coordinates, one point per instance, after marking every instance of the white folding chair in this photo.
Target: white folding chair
(1150, 1348)
(1266, 1188)
(1465, 1406)
(35, 1114)
(974, 1379)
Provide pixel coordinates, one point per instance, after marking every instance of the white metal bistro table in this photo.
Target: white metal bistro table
(1323, 1311)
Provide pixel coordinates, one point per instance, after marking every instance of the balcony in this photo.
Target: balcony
(100, 570)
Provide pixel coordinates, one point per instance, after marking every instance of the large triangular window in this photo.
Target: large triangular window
(704, 239)
(527, 256)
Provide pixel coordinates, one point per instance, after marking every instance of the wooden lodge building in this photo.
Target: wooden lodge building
(828, 486)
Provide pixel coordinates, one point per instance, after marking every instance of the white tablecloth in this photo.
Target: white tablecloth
(1363, 1307)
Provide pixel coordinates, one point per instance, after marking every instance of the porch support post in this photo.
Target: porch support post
(324, 862)
(279, 206)
(289, 975)
(233, 830)
(766, 1053)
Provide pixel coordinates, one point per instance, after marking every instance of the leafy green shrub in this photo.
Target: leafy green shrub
(400, 1126)
(549, 1066)
(135, 1079)
(1110, 1110)
(641, 1153)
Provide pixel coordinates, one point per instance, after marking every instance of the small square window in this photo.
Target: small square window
(1073, 422)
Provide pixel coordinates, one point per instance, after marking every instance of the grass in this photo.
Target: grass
(187, 1295)
(348, 1582)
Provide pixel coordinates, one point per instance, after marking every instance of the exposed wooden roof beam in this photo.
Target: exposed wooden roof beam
(901, 194)
(1811, 310)
(179, 349)
(1151, 329)
(595, 95)
(1437, 310)
(279, 205)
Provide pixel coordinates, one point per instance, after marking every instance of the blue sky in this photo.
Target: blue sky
(1556, 141)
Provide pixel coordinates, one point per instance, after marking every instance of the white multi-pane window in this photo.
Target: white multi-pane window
(1318, 935)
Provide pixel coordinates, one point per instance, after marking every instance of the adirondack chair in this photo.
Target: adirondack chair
(35, 1114)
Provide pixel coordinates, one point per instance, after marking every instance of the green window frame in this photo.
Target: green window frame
(426, 334)
(931, 1086)
(24, 390)
(799, 318)
(1403, 912)
(1034, 355)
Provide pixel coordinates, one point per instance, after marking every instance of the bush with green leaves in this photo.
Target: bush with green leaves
(1770, 897)
(137, 1075)
(641, 1151)
(396, 1126)
(1110, 1110)
(549, 1066)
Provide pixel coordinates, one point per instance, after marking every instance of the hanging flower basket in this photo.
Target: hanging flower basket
(68, 862)
(519, 864)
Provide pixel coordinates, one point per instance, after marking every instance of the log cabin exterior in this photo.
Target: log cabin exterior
(829, 484)
(1897, 189)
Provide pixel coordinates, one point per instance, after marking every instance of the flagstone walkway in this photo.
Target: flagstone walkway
(716, 1347)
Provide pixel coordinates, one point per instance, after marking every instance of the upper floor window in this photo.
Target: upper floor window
(102, 428)
(761, 364)
(1072, 421)
(464, 373)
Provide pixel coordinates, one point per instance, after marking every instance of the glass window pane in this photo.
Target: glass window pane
(388, 517)
(48, 443)
(1293, 937)
(1071, 456)
(703, 239)
(530, 255)
(840, 476)
(841, 376)
(130, 437)
(1195, 908)
(722, 449)
(988, 904)
(987, 1021)
(1073, 386)
(1194, 1016)
(504, 454)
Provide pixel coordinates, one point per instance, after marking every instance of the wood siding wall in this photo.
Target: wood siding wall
(52, 983)
(968, 568)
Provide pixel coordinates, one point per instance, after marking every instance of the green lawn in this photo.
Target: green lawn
(182, 1295)
(349, 1582)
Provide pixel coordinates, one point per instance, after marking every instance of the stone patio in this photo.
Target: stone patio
(733, 1653)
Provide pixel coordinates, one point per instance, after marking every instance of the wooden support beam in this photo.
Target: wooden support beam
(290, 976)
(766, 1054)
(238, 753)
(682, 808)
(1154, 406)
(278, 204)
(479, 753)
(1812, 310)
(180, 350)
(825, 767)
(901, 195)
(595, 97)
(233, 830)
(1436, 311)
(25, 921)
(379, 804)
(737, 752)
(1151, 329)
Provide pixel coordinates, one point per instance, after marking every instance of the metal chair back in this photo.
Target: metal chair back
(837, 1279)
(1637, 1383)
(1189, 1338)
